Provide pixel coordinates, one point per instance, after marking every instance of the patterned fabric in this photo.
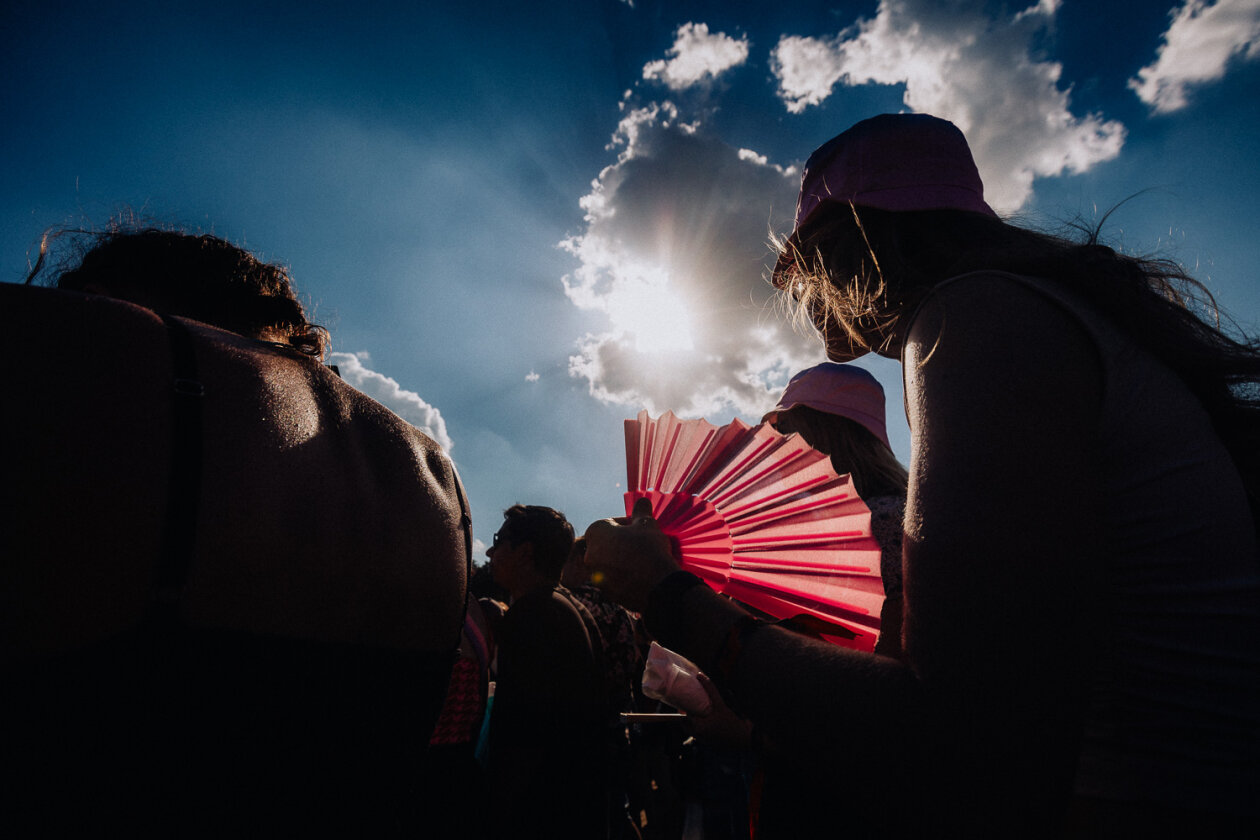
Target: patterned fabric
(464, 705)
(623, 660)
(887, 515)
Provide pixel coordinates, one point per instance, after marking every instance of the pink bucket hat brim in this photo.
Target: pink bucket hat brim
(843, 390)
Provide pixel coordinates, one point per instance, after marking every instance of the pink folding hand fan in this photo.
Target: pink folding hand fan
(762, 518)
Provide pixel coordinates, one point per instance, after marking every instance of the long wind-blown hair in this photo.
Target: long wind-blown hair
(863, 270)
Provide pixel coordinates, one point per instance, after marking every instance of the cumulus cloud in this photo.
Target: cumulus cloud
(532, 376)
(675, 254)
(807, 70)
(387, 392)
(1198, 47)
(958, 62)
(697, 56)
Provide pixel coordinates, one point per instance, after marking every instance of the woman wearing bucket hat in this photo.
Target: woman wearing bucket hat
(1081, 576)
(839, 410)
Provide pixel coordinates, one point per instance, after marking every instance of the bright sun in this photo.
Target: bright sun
(644, 307)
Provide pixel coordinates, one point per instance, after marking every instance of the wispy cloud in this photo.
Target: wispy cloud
(1198, 47)
(387, 392)
(697, 56)
(958, 62)
(675, 254)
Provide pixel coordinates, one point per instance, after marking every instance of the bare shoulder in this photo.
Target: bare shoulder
(1003, 392)
(1004, 548)
(334, 484)
(987, 349)
(320, 513)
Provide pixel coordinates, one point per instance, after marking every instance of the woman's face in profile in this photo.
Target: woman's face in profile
(840, 347)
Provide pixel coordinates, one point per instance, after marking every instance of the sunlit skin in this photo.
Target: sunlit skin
(307, 479)
(969, 574)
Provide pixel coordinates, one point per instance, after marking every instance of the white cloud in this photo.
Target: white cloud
(1046, 8)
(386, 391)
(697, 56)
(675, 254)
(959, 63)
(807, 70)
(1197, 48)
(532, 376)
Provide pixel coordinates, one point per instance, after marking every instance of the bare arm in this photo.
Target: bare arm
(1002, 557)
(1003, 552)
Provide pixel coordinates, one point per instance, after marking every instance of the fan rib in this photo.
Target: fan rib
(770, 525)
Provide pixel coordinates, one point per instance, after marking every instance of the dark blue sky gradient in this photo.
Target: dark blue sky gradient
(418, 166)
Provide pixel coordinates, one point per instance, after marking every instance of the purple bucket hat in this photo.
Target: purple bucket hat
(895, 162)
(844, 390)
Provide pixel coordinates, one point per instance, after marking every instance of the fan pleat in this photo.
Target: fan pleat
(763, 518)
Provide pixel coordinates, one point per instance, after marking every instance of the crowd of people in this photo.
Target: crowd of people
(240, 597)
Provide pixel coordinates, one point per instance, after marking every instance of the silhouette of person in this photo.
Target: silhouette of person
(1082, 591)
(232, 584)
(547, 742)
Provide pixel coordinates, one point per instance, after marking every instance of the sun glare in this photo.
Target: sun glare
(646, 309)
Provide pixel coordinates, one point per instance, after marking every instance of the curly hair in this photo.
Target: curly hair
(201, 277)
(863, 270)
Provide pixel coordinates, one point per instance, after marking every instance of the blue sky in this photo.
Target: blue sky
(525, 222)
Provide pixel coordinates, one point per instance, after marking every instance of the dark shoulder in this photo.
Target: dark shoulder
(552, 613)
(296, 383)
(987, 308)
(550, 604)
(304, 480)
(993, 335)
(1002, 382)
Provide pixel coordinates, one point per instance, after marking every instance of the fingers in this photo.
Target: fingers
(642, 510)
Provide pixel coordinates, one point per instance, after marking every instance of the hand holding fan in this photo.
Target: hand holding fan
(762, 518)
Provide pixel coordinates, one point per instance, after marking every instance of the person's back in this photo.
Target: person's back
(325, 570)
(547, 747)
